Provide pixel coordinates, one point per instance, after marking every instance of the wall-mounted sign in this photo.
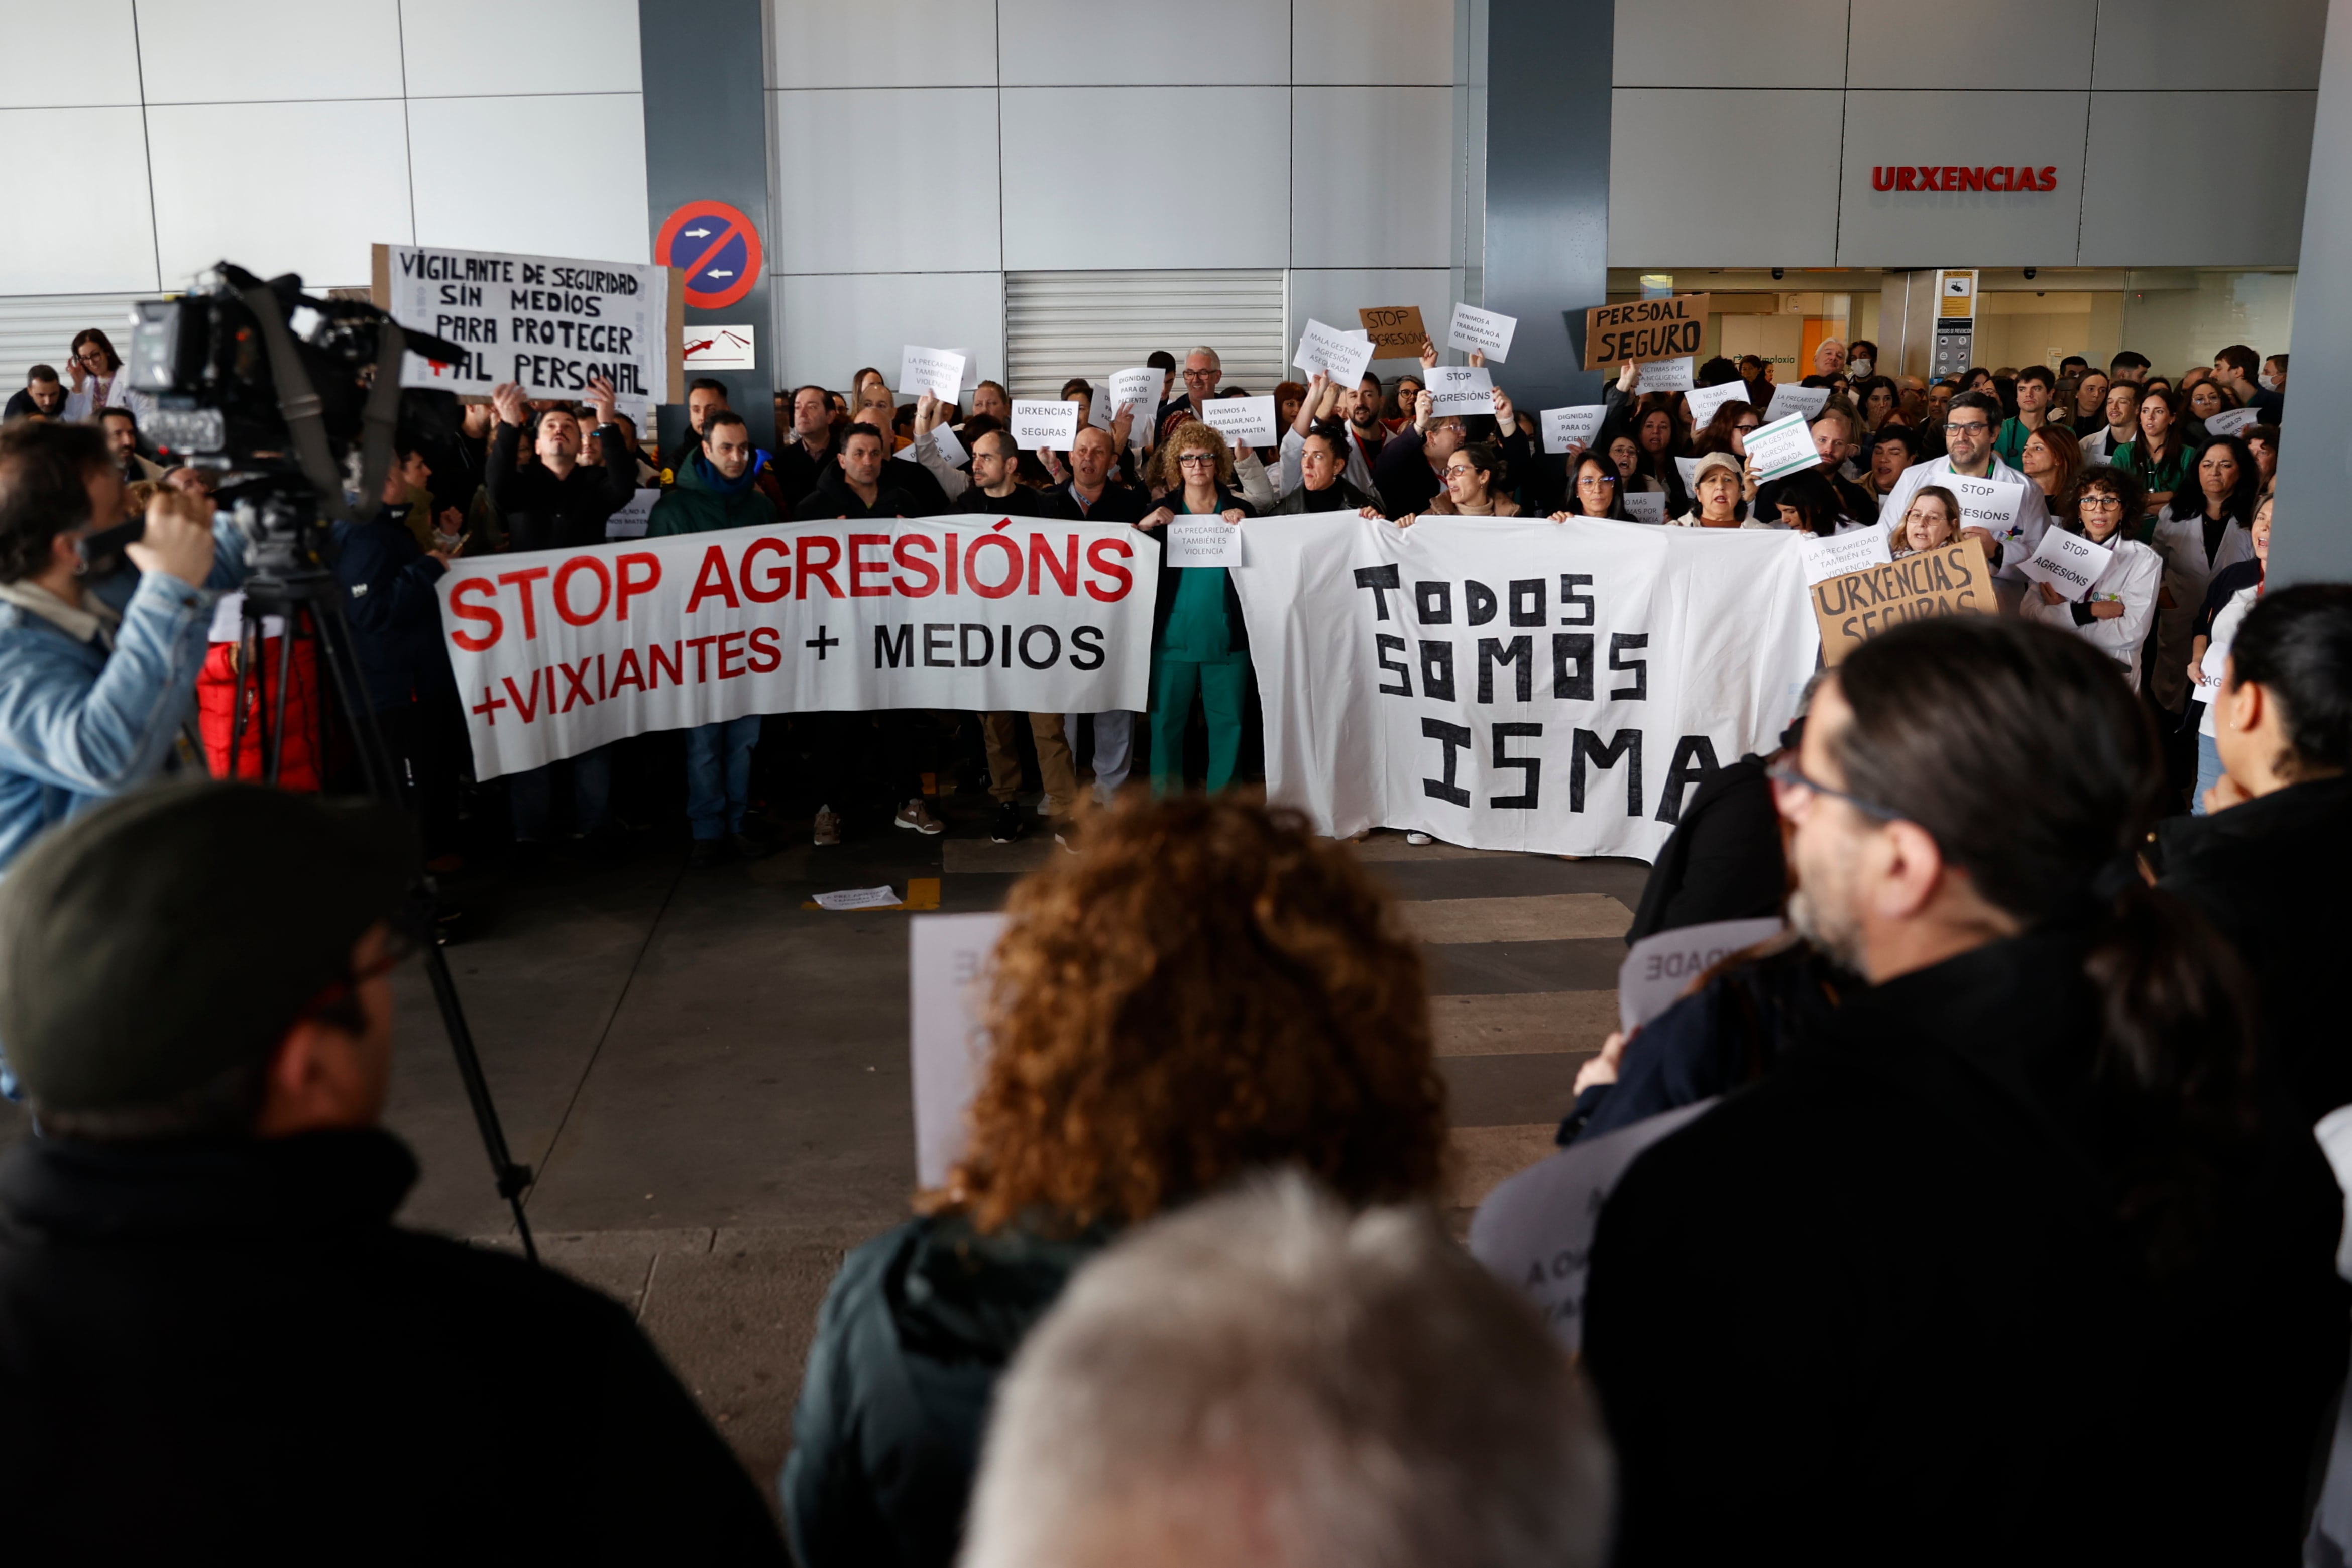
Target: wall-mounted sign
(1956, 320)
(1953, 177)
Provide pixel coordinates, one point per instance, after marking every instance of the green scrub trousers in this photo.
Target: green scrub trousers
(1196, 655)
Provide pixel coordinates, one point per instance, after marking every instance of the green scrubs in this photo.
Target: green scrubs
(1195, 654)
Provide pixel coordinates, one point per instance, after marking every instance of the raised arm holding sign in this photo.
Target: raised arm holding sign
(1339, 355)
(1487, 333)
(938, 372)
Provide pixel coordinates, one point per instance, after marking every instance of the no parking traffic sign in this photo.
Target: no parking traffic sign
(717, 248)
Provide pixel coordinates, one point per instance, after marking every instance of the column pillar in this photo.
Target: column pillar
(2314, 539)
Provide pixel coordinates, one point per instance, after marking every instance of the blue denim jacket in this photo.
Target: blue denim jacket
(79, 725)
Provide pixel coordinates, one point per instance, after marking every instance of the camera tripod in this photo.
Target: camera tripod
(283, 585)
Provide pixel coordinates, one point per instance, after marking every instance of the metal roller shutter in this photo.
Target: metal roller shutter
(1061, 324)
(38, 328)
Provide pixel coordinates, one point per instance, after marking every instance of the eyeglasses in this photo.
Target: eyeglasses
(1603, 481)
(1786, 778)
(1191, 458)
(1199, 374)
(1744, 429)
(1459, 470)
(1966, 425)
(2093, 501)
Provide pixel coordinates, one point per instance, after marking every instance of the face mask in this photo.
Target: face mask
(1857, 366)
(2270, 383)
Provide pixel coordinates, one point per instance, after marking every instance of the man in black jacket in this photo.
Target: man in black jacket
(804, 459)
(214, 1344)
(557, 502)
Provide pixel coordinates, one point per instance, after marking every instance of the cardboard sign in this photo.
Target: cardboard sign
(1660, 967)
(1646, 506)
(1705, 400)
(722, 348)
(1572, 429)
(1394, 327)
(1841, 553)
(1860, 605)
(1481, 332)
(2232, 421)
(1339, 355)
(947, 980)
(1248, 420)
(2068, 563)
(630, 520)
(1203, 541)
(1533, 1233)
(1664, 375)
(1040, 421)
(938, 372)
(1645, 329)
(1784, 447)
(1459, 389)
(1804, 400)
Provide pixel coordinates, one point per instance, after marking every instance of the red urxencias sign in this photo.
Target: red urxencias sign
(1954, 177)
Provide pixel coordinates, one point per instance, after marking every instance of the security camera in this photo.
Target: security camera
(2030, 271)
(1778, 273)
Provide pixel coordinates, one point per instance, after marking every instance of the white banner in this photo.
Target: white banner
(1508, 685)
(556, 652)
(547, 323)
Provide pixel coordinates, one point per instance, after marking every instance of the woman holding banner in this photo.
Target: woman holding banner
(1720, 491)
(1200, 645)
(1596, 489)
(2114, 614)
(1473, 486)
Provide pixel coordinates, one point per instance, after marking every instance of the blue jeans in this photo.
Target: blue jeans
(719, 774)
(2208, 772)
(1114, 750)
(592, 795)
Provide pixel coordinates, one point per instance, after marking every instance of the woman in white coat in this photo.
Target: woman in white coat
(2114, 614)
(2204, 528)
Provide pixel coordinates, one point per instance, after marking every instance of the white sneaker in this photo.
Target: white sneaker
(1418, 839)
(918, 816)
(827, 826)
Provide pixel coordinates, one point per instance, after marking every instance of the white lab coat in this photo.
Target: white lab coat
(2132, 578)
(86, 403)
(2032, 512)
(2187, 576)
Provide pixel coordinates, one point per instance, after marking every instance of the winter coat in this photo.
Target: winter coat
(702, 501)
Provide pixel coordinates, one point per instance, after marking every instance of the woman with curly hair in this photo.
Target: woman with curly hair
(1209, 989)
(1200, 645)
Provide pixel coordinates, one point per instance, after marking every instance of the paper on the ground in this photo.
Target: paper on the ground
(1783, 447)
(1566, 429)
(2232, 421)
(2068, 563)
(938, 372)
(1044, 421)
(1659, 967)
(1664, 376)
(1459, 389)
(1705, 400)
(1645, 506)
(1535, 1231)
(1203, 541)
(1844, 552)
(1139, 386)
(1341, 355)
(1804, 400)
(1249, 420)
(857, 899)
(630, 522)
(947, 980)
(1483, 331)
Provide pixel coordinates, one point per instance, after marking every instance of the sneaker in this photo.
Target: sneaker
(1417, 838)
(706, 853)
(827, 826)
(1065, 834)
(746, 847)
(918, 816)
(1009, 825)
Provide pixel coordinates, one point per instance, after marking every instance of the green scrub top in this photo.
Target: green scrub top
(1196, 629)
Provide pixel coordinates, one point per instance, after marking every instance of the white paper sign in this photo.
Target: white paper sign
(2067, 561)
(1989, 504)
(1139, 386)
(2232, 421)
(938, 372)
(1783, 447)
(1664, 376)
(1844, 552)
(1249, 420)
(1203, 541)
(1573, 428)
(629, 522)
(1042, 422)
(1688, 467)
(1459, 389)
(1660, 967)
(1342, 356)
(859, 899)
(948, 447)
(1804, 400)
(721, 348)
(547, 322)
(947, 980)
(1535, 1232)
(1705, 400)
(1645, 506)
(1483, 331)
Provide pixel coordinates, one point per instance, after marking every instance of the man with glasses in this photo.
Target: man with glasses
(1969, 455)
(1203, 373)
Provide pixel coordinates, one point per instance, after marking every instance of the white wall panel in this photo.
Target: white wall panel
(1990, 45)
(67, 55)
(338, 182)
(1332, 295)
(872, 181)
(590, 203)
(1969, 229)
(78, 216)
(1091, 43)
(1675, 198)
(248, 51)
(2174, 43)
(2165, 189)
(1393, 43)
(834, 324)
(884, 43)
(463, 48)
(1368, 177)
(1712, 43)
(1054, 220)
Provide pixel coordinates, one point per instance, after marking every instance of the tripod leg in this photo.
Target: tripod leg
(274, 746)
(248, 649)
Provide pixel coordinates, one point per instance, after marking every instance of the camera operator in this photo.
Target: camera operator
(215, 1343)
(97, 659)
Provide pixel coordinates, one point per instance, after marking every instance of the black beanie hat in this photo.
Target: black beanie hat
(166, 938)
